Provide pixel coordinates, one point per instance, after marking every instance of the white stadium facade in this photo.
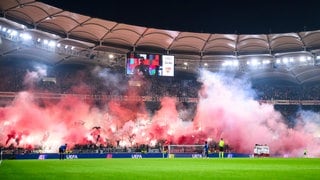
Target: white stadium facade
(38, 31)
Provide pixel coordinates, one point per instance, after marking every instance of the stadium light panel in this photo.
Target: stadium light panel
(253, 62)
(266, 62)
(45, 41)
(13, 33)
(302, 59)
(25, 36)
(232, 63)
(285, 60)
(291, 59)
(52, 44)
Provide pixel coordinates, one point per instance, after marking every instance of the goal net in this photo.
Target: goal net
(193, 151)
(261, 151)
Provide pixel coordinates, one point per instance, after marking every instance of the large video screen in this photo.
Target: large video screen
(150, 64)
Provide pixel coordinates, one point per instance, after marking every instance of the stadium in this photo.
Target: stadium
(112, 91)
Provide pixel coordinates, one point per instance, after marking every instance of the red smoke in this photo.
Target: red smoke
(226, 108)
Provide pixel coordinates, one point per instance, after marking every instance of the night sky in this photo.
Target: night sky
(224, 16)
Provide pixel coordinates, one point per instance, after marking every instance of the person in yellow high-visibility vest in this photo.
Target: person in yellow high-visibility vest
(221, 148)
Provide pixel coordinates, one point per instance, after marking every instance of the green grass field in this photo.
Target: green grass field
(228, 168)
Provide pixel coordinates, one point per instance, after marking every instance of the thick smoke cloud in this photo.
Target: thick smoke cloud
(227, 108)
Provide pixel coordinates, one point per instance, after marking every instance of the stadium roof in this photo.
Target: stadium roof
(99, 35)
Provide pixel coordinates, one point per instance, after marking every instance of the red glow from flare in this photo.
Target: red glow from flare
(225, 111)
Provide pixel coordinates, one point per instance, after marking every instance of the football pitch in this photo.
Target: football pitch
(175, 168)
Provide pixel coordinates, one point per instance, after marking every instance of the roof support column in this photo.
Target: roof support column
(201, 56)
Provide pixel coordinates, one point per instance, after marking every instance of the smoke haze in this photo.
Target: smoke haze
(226, 108)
